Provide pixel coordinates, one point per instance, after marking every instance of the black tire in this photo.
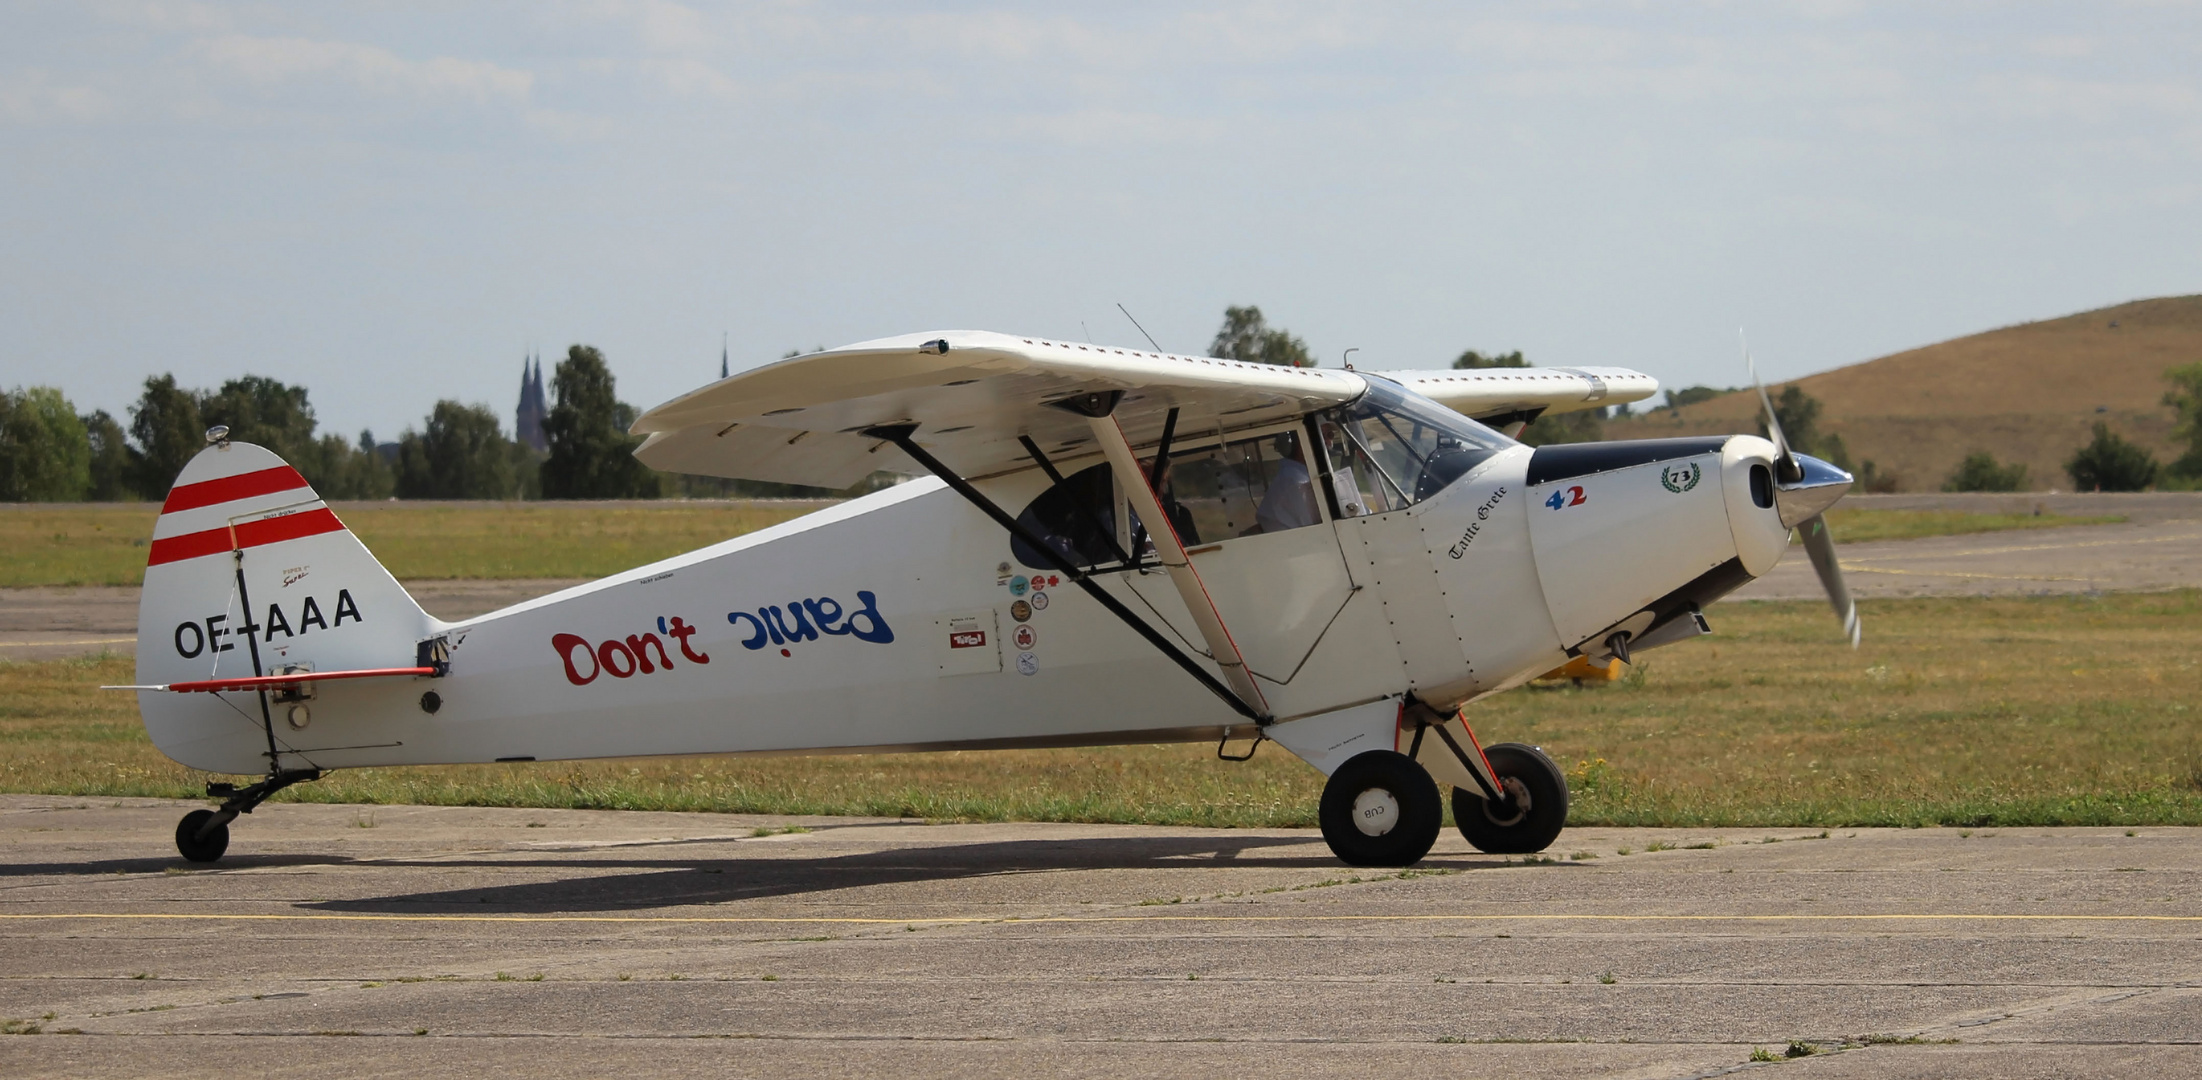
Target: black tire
(1398, 790)
(1538, 811)
(193, 846)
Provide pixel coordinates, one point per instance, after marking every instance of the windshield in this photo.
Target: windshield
(1391, 448)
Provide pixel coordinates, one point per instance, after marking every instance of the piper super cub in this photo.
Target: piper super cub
(1113, 546)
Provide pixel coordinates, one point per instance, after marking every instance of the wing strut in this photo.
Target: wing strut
(900, 435)
(1148, 504)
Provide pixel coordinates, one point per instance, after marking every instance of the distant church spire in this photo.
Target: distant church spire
(527, 420)
(722, 355)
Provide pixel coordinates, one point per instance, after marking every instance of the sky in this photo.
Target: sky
(392, 203)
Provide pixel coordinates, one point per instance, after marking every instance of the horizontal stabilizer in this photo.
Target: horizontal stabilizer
(254, 682)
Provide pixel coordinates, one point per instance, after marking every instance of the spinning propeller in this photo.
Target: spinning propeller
(1804, 487)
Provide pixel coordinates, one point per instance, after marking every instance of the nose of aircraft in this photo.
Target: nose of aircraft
(1769, 495)
(1817, 486)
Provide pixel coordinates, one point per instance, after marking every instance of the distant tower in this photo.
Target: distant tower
(527, 421)
(722, 356)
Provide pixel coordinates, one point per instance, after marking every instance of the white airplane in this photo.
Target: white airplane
(1113, 546)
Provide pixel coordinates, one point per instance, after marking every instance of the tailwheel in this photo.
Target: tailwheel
(197, 841)
(1533, 813)
(1381, 809)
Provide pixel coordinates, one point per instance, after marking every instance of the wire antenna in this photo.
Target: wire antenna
(1142, 330)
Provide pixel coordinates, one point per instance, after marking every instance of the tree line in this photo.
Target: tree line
(51, 453)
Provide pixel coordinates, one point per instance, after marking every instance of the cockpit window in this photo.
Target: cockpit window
(1238, 488)
(1391, 449)
(1077, 518)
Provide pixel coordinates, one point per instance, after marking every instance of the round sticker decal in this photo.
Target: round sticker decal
(1027, 664)
(1024, 637)
(1020, 610)
(1017, 585)
(1039, 600)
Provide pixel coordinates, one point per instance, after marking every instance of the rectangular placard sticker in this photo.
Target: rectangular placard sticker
(968, 643)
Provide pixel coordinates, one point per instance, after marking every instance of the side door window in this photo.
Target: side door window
(1239, 488)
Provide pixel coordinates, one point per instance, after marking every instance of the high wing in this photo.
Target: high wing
(973, 393)
(1500, 396)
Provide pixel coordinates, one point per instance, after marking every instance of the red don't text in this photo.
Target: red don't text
(637, 654)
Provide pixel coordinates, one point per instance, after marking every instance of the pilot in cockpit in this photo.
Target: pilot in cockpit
(1290, 501)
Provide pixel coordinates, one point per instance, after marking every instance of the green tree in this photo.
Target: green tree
(264, 412)
(462, 455)
(1246, 336)
(1799, 414)
(2110, 463)
(166, 426)
(591, 455)
(1583, 425)
(2185, 398)
(114, 461)
(44, 453)
(1981, 472)
(1877, 480)
(268, 413)
(1473, 359)
(353, 471)
(1691, 395)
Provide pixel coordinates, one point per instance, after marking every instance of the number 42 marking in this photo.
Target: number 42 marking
(1572, 496)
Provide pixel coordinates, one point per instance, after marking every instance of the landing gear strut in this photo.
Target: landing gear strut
(203, 835)
(1381, 809)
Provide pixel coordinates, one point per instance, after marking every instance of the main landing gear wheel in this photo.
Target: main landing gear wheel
(1381, 809)
(1533, 814)
(199, 848)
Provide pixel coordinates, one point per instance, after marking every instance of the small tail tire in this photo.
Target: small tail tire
(197, 848)
(1528, 822)
(1381, 809)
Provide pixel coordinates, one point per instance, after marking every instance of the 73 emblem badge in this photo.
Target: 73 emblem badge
(1679, 480)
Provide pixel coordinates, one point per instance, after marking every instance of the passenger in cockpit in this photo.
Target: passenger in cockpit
(1290, 501)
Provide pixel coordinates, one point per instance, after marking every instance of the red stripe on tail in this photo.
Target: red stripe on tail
(248, 535)
(231, 488)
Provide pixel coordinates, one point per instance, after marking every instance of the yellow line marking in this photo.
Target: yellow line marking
(71, 641)
(1009, 919)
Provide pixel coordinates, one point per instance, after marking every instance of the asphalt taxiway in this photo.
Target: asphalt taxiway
(341, 941)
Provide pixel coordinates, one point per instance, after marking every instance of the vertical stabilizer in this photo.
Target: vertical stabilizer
(250, 573)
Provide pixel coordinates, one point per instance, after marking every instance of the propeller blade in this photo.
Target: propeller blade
(1785, 467)
(1819, 543)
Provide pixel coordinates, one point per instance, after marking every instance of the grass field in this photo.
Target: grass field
(1859, 526)
(104, 544)
(1966, 711)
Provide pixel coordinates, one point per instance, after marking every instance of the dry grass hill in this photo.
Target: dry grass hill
(2026, 393)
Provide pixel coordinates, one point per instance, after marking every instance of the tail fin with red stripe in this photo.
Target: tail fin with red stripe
(249, 573)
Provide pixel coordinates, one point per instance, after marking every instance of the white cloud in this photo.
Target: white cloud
(268, 61)
(33, 97)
